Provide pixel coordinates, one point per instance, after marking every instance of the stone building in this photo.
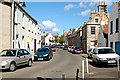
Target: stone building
(90, 29)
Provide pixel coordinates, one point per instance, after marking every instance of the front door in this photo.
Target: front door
(117, 47)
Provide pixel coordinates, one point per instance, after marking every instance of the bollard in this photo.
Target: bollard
(82, 69)
(118, 64)
(63, 76)
(77, 74)
(87, 65)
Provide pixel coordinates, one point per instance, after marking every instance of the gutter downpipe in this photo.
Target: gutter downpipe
(13, 6)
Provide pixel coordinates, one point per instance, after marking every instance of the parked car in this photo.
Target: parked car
(65, 47)
(69, 47)
(53, 48)
(72, 49)
(104, 55)
(43, 53)
(12, 58)
(77, 50)
(90, 52)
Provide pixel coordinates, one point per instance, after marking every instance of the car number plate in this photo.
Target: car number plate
(111, 61)
(40, 58)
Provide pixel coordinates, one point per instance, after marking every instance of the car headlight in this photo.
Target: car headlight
(45, 55)
(103, 59)
(35, 55)
(4, 63)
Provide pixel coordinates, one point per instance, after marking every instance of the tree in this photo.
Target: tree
(62, 40)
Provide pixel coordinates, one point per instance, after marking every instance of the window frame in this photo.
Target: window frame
(117, 25)
(93, 30)
(111, 27)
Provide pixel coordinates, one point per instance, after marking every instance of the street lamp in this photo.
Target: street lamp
(23, 5)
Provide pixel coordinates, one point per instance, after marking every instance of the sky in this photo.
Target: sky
(54, 17)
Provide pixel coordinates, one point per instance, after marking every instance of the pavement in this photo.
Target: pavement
(101, 72)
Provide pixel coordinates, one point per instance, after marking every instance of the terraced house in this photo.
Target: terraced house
(114, 28)
(18, 29)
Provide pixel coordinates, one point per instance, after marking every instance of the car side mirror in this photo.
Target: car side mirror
(18, 55)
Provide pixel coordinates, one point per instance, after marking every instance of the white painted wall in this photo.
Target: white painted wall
(50, 36)
(101, 39)
(28, 24)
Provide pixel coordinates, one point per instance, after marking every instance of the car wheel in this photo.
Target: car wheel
(12, 67)
(30, 63)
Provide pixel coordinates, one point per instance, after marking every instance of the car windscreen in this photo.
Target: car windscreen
(77, 47)
(8, 53)
(105, 51)
(43, 50)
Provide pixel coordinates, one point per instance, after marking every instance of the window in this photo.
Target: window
(117, 25)
(111, 44)
(92, 30)
(111, 27)
(25, 52)
(20, 53)
(96, 20)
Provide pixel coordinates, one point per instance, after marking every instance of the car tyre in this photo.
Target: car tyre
(29, 63)
(12, 67)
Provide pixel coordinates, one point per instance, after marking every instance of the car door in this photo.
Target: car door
(94, 56)
(27, 55)
(20, 57)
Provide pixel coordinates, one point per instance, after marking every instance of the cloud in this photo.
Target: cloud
(82, 5)
(69, 6)
(92, 4)
(49, 26)
(85, 13)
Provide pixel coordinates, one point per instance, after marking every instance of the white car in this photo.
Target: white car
(104, 55)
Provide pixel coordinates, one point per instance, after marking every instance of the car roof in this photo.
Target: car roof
(103, 47)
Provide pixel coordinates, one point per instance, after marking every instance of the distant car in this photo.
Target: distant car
(77, 50)
(12, 58)
(69, 47)
(65, 47)
(104, 55)
(53, 48)
(72, 49)
(43, 53)
(90, 52)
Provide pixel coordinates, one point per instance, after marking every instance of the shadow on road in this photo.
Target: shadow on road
(102, 65)
(18, 68)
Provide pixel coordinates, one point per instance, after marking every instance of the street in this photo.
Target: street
(63, 63)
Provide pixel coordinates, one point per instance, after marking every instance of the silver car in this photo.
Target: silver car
(12, 58)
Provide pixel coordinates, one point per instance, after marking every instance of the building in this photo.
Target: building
(79, 37)
(49, 39)
(72, 37)
(114, 28)
(91, 28)
(5, 24)
(20, 30)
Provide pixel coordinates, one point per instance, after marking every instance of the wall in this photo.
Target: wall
(113, 37)
(5, 26)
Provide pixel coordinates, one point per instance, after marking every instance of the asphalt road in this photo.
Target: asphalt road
(63, 63)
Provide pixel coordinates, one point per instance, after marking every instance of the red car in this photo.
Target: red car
(53, 48)
(77, 50)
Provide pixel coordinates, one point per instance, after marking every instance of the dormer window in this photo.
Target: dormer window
(96, 20)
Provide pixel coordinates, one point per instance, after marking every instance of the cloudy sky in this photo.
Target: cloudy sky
(54, 17)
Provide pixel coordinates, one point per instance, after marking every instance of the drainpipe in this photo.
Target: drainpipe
(13, 6)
